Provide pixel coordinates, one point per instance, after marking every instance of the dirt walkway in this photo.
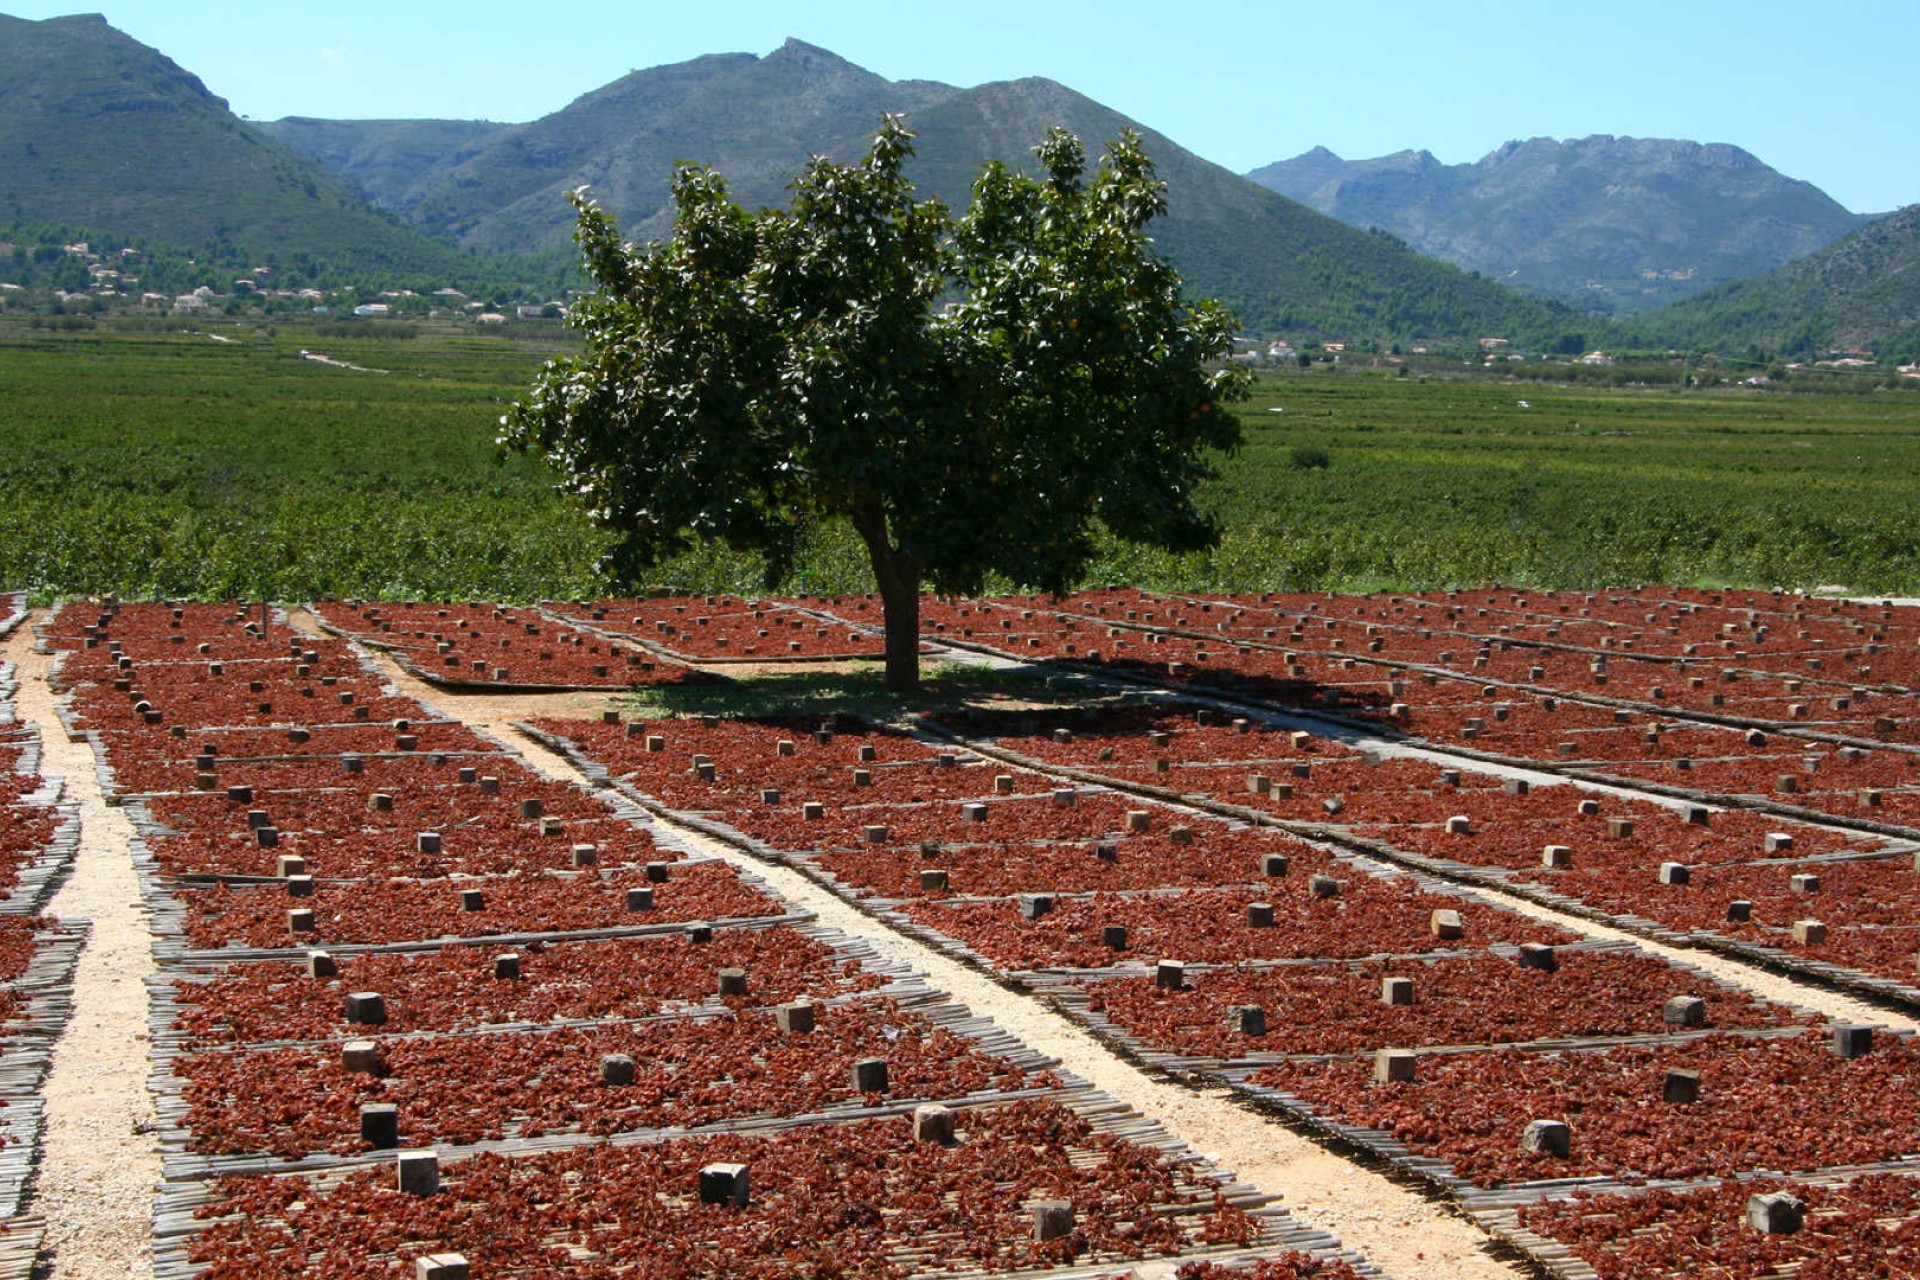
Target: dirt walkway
(99, 1164)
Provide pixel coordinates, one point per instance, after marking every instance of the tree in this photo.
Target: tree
(974, 394)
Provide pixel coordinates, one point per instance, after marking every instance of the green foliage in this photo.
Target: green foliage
(759, 373)
(148, 461)
(167, 464)
(1862, 292)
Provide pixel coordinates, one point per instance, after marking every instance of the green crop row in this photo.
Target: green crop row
(171, 463)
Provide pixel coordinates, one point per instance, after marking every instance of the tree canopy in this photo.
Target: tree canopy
(975, 394)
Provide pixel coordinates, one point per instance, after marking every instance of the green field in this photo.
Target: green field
(168, 463)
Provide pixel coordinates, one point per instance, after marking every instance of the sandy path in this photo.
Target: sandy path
(99, 1164)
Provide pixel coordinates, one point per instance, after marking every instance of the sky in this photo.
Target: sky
(1830, 96)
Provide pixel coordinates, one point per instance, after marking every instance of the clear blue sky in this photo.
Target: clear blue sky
(1828, 94)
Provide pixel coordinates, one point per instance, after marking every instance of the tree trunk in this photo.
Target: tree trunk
(897, 572)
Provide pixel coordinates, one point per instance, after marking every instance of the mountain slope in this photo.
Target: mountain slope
(101, 132)
(1624, 222)
(1862, 292)
(762, 116)
(1281, 266)
(387, 161)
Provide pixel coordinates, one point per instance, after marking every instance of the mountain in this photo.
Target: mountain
(1617, 223)
(101, 133)
(384, 159)
(1863, 292)
(756, 119)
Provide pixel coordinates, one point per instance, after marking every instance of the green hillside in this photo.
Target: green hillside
(103, 134)
(758, 118)
(1281, 266)
(1863, 292)
(387, 161)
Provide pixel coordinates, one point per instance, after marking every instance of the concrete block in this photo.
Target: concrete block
(1394, 1066)
(795, 1018)
(1248, 1019)
(1851, 1040)
(1323, 887)
(442, 1266)
(473, 900)
(1809, 933)
(1620, 828)
(1804, 882)
(1776, 842)
(974, 812)
(266, 837)
(639, 899)
(1538, 955)
(1547, 1137)
(427, 842)
(616, 1069)
(362, 1056)
(1779, 1214)
(417, 1173)
(725, 1184)
(1680, 1087)
(1052, 1219)
(1035, 905)
(1459, 825)
(1114, 936)
(1740, 910)
(367, 1008)
(380, 1125)
(300, 920)
(321, 964)
(1170, 975)
(1273, 864)
(1003, 784)
(874, 834)
(585, 855)
(933, 879)
(380, 802)
(699, 931)
(870, 1075)
(1684, 1011)
(1675, 873)
(1516, 786)
(657, 872)
(1138, 819)
(1396, 991)
(1259, 915)
(1556, 855)
(733, 982)
(933, 1123)
(1446, 924)
(506, 967)
(290, 864)
(1588, 808)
